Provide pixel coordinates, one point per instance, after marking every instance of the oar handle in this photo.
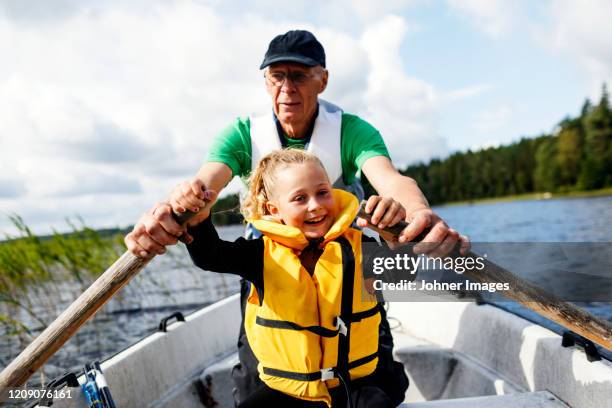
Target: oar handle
(391, 233)
(529, 295)
(182, 218)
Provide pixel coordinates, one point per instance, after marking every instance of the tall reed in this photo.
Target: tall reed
(31, 263)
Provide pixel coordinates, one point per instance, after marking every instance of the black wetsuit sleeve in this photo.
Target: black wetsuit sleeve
(240, 257)
(370, 246)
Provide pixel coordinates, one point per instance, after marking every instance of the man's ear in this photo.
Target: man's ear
(324, 78)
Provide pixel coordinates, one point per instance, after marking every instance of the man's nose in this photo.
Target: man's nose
(288, 85)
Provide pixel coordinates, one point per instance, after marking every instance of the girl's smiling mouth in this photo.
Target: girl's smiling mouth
(315, 221)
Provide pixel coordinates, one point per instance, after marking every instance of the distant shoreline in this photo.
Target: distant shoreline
(110, 232)
(531, 196)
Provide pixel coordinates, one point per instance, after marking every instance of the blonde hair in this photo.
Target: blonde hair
(261, 180)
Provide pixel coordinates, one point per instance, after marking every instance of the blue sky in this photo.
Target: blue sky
(527, 86)
(105, 105)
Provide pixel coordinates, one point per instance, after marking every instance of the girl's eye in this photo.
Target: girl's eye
(298, 198)
(323, 192)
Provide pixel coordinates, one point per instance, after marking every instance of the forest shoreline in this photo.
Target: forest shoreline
(601, 192)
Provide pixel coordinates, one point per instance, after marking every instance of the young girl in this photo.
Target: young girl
(309, 320)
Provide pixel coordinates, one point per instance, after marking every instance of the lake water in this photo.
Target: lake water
(555, 220)
(170, 283)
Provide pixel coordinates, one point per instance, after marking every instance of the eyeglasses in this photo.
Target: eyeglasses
(278, 78)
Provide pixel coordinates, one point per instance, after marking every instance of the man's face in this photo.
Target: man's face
(294, 104)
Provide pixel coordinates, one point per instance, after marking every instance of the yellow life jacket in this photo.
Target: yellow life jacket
(310, 331)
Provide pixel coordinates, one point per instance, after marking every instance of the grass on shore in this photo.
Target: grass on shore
(27, 261)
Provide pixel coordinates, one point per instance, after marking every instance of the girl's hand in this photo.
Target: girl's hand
(385, 212)
(439, 241)
(191, 195)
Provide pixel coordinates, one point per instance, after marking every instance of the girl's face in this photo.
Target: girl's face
(302, 198)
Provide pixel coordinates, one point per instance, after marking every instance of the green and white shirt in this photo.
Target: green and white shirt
(359, 141)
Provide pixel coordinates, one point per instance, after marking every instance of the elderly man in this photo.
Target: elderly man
(295, 75)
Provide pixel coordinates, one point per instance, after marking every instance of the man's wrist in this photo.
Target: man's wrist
(410, 212)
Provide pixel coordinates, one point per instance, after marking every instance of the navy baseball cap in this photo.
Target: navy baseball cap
(295, 46)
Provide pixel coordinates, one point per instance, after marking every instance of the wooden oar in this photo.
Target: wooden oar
(67, 324)
(559, 311)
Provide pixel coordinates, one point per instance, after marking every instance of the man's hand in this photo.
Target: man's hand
(390, 183)
(440, 240)
(157, 228)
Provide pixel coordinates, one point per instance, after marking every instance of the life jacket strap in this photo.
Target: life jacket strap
(323, 374)
(346, 308)
(285, 324)
(339, 324)
(359, 316)
(291, 375)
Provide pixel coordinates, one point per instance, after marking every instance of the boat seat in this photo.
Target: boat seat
(540, 399)
(444, 374)
(216, 385)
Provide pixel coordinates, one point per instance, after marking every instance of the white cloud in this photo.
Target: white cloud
(116, 100)
(402, 107)
(494, 17)
(581, 30)
(107, 183)
(105, 107)
(369, 10)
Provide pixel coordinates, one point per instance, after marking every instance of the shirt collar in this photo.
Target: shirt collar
(281, 133)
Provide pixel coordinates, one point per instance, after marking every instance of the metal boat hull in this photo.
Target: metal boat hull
(457, 354)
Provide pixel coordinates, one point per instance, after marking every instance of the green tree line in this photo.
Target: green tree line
(576, 157)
